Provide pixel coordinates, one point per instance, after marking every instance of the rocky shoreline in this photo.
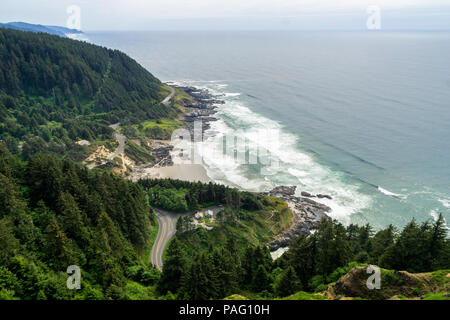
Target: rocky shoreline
(203, 108)
(307, 215)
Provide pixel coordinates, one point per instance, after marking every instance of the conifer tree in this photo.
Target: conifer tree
(173, 269)
(288, 283)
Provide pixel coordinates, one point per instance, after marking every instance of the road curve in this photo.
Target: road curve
(167, 99)
(167, 229)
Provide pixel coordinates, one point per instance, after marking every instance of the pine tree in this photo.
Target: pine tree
(437, 245)
(173, 269)
(261, 279)
(382, 240)
(288, 283)
(59, 249)
(302, 256)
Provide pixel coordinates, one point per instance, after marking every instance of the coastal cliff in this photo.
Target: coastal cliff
(307, 215)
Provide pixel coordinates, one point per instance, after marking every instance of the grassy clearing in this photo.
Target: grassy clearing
(164, 91)
(182, 99)
(157, 129)
(437, 296)
(304, 296)
(137, 153)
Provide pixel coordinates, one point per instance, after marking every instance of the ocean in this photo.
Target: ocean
(361, 116)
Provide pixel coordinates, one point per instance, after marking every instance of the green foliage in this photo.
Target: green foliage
(174, 267)
(324, 256)
(58, 214)
(437, 296)
(419, 248)
(137, 153)
(440, 277)
(288, 283)
(301, 295)
(170, 199)
(136, 291)
(194, 193)
(55, 91)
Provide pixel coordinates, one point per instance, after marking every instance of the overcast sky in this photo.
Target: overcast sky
(230, 14)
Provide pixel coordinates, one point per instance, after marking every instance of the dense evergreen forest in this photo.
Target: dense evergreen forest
(54, 214)
(183, 196)
(55, 91)
(310, 264)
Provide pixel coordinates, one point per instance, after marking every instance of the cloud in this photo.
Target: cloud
(142, 14)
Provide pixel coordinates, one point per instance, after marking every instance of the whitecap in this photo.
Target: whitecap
(235, 118)
(77, 36)
(445, 202)
(391, 194)
(232, 94)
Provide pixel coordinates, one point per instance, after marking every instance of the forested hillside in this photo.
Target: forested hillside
(203, 264)
(55, 91)
(54, 214)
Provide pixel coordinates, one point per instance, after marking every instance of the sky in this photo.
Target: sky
(231, 14)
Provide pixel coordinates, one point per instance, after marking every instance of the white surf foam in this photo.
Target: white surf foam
(295, 166)
(445, 202)
(232, 94)
(77, 36)
(391, 194)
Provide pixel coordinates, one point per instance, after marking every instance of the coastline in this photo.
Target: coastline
(186, 172)
(202, 108)
(306, 213)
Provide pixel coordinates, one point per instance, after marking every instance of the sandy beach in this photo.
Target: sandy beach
(186, 172)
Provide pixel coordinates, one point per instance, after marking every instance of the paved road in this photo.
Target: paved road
(166, 101)
(121, 138)
(167, 229)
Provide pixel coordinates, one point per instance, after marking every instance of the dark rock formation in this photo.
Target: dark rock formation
(307, 215)
(306, 194)
(283, 191)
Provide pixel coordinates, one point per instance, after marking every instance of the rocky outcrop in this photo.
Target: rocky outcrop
(161, 151)
(283, 191)
(392, 285)
(307, 215)
(202, 109)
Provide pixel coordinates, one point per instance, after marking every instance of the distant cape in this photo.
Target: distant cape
(55, 30)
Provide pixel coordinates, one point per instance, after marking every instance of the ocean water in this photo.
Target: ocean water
(363, 117)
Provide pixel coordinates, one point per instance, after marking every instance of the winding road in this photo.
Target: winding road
(166, 101)
(167, 229)
(121, 139)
